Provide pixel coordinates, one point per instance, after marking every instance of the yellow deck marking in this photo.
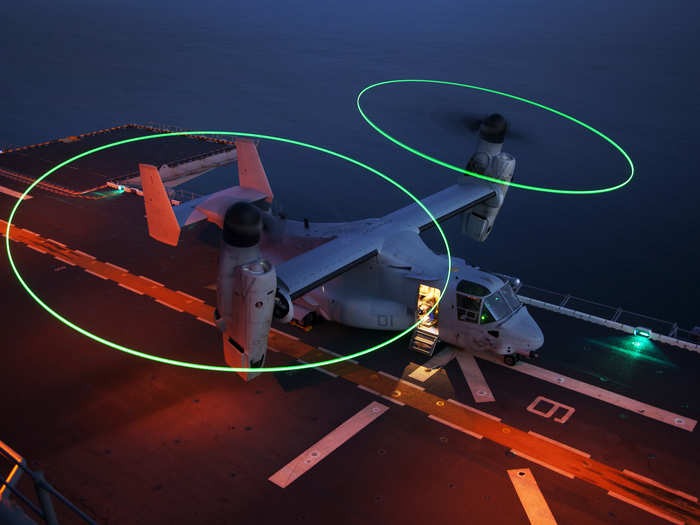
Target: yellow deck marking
(635, 491)
(531, 497)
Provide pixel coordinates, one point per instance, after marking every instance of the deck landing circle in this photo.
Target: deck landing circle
(484, 177)
(197, 365)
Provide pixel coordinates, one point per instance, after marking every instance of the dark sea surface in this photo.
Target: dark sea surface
(293, 69)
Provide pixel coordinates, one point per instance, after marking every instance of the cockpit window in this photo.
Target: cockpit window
(498, 306)
(486, 316)
(468, 307)
(472, 288)
(510, 297)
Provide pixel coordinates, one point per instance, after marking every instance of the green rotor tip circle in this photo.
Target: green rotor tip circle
(196, 365)
(484, 177)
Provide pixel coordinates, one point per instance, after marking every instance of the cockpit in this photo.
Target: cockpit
(477, 304)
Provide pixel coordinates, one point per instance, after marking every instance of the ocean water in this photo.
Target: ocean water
(293, 69)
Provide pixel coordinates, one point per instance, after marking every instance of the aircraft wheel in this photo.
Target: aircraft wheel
(509, 360)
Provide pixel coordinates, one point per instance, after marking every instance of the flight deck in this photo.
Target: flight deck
(601, 428)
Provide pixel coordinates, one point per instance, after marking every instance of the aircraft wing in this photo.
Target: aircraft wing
(311, 269)
(443, 205)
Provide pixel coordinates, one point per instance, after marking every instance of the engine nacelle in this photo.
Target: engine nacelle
(252, 303)
(479, 222)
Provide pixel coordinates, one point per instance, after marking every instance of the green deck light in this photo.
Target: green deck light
(484, 177)
(211, 367)
(642, 332)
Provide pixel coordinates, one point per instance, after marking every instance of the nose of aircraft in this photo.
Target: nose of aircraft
(522, 333)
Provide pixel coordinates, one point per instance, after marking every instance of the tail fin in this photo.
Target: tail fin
(251, 173)
(162, 224)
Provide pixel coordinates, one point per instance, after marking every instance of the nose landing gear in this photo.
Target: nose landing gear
(511, 359)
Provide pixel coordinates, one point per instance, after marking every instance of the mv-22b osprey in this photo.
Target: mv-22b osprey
(372, 273)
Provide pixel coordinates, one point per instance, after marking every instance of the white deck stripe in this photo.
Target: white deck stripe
(422, 373)
(13, 193)
(130, 288)
(56, 242)
(475, 379)
(36, 249)
(595, 392)
(85, 254)
(531, 497)
(95, 274)
(336, 354)
(206, 321)
(151, 281)
(660, 485)
(542, 463)
(117, 267)
(393, 400)
(362, 387)
(649, 509)
(64, 260)
(188, 296)
(412, 385)
(311, 456)
(283, 333)
(559, 444)
(485, 414)
(169, 305)
(456, 427)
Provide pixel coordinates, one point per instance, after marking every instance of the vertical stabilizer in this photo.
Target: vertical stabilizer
(251, 173)
(162, 224)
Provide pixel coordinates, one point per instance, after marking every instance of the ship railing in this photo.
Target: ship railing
(605, 315)
(44, 491)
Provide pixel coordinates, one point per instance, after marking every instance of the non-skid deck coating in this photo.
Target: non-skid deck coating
(114, 164)
(131, 437)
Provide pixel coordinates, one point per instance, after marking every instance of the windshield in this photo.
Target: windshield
(497, 306)
(510, 297)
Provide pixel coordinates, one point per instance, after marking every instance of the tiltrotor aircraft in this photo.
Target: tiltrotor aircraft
(372, 273)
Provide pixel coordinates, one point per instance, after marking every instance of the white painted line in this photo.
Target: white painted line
(117, 267)
(456, 427)
(95, 274)
(169, 305)
(85, 254)
(317, 368)
(475, 379)
(64, 260)
(130, 289)
(188, 296)
(13, 193)
(660, 485)
(560, 444)
(485, 414)
(336, 354)
(531, 497)
(648, 508)
(30, 232)
(542, 463)
(56, 242)
(413, 385)
(595, 392)
(311, 456)
(32, 247)
(151, 281)
(362, 387)
(389, 398)
(280, 332)
(206, 321)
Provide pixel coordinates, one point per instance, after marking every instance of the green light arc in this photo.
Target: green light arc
(484, 177)
(185, 364)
